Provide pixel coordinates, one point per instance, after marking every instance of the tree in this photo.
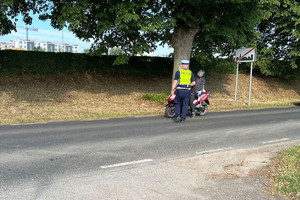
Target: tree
(116, 51)
(279, 40)
(137, 26)
(10, 9)
(86, 51)
(38, 49)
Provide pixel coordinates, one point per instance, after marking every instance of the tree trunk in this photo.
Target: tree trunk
(182, 42)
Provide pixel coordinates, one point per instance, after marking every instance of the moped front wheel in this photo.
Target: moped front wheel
(170, 111)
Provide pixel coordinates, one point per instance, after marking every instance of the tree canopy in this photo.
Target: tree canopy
(279, 37)
(201, 27)
(115, 51)
(137, 26)
(10, 9)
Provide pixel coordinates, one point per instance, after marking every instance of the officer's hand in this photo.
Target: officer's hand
(172, 92)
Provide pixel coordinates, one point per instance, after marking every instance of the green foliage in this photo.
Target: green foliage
(47, 63)
(38, 49)
(115, 51)
(10, 9)
(278, 68)
(226, 26)
(287, 172)
(138, 26)
(278, 44)
(213, 65)
(86, 51)
(158, 98)
(121, 59)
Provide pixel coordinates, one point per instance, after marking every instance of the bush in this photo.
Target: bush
(158, 98)
(279, 68)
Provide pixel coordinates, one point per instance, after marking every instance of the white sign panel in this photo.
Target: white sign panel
(245, 55)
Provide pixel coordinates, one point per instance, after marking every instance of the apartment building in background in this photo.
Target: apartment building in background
(6, 45)
(45, 46)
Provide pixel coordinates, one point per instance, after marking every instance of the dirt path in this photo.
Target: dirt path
(234, 174)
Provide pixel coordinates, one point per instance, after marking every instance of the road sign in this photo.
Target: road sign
(245, 55)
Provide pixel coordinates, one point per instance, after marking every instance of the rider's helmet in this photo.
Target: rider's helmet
(201, 73)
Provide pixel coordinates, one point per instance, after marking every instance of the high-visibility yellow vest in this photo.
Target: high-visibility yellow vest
(185, 76)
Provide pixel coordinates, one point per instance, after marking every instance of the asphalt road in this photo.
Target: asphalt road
(31, 153)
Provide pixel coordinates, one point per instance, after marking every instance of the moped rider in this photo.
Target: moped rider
(198, 89)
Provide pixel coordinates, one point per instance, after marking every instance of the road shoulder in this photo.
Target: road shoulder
(222, 175)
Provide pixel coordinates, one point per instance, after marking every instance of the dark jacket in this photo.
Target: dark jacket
(200, 82)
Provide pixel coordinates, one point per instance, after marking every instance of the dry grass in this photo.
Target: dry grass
(34, 98)
(266, 91)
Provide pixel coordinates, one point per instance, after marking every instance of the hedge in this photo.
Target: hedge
(47, 63)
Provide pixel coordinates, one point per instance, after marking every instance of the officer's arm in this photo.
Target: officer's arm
(193, 80)
(173, 86)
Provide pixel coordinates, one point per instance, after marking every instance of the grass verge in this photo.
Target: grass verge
(29, 98)
(286, 173)
(77, 117)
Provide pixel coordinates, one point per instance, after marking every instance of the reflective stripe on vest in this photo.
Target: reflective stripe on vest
(185, 77)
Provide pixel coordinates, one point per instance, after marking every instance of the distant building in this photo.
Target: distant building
(6, 45)
(46, 46)
(152, 54)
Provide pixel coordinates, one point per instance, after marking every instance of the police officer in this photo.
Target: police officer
(182, 82)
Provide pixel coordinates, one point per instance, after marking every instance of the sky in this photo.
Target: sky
(48, 34)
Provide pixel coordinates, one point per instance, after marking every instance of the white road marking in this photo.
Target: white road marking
(126, 163)
(27, 124)
(275, 141)
(213, 151)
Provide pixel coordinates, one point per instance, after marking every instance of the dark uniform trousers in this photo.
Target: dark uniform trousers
(182, 98)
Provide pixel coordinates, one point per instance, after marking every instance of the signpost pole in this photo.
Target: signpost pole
(249, 100)
(236, 81)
